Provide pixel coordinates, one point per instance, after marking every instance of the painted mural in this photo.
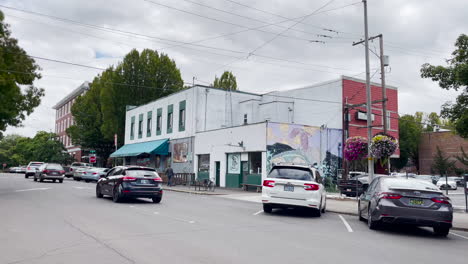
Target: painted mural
(301, 144)
(180, 152)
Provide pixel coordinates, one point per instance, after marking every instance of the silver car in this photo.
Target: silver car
(93, 174)
(405, 201)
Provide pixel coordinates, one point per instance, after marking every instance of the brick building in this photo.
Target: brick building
(448, 142)
(64, 119)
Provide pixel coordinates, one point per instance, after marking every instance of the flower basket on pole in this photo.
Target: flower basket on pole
(382, 147)
(355, 149)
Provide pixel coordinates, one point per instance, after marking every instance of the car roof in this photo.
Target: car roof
(126, 167)
(408, 183)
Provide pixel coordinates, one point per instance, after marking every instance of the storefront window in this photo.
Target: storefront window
(255, 162)
(204, 163)
(233, 163)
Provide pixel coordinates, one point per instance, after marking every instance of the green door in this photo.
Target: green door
(244, 171)
(218, 168)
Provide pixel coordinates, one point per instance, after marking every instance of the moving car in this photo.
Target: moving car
(93, 174)
(13, 169)
(74, 166)
(293, 186)
(405, 201)
(50, 171)
(32, 168)
(78, 172)
(130, 182)
(446, 184)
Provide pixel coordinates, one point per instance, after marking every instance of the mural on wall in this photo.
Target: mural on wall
(180, 152)
(233, 163)
(301, 144)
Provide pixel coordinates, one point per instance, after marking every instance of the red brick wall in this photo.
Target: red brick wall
(448, 142)
(354, 92)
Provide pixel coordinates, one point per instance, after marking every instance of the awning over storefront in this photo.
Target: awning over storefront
(156, 147)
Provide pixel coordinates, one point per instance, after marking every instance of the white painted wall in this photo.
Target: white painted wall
(221, 141)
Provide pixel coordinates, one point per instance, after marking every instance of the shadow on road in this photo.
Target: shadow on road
(409, 230)
(295, 212)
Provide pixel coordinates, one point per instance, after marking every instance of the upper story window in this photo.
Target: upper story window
(159, 122)
(245, 119)
(149, 122)
(140, 126)
(132, 128)
(170, 109)
(182, 116)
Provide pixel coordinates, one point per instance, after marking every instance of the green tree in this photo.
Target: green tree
(432, 121)
(410, 130)
(227, 81)
(442, 164)
(16, 68)
(454, 76)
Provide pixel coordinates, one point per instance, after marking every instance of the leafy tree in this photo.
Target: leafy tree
(433, 120)
(409, 136)
(139, 79)
(226, 82)
(454, 76)
(16, 68)
(442, 164)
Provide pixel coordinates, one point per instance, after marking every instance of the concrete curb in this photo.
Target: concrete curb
(193, 192)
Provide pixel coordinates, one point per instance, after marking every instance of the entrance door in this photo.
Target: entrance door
(218, 169)
(244, 171)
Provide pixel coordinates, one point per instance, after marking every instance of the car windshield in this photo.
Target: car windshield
(54, 167)
(293, 173)
(141, 173)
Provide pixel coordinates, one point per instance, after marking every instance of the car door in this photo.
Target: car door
(366, 197)
(104, 182)
(113, 179)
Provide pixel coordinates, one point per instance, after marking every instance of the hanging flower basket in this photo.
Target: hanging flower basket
(355, 148)
(383, 146)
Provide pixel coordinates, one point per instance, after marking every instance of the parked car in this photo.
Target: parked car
(74, 166)
(93, 174)
(130, 182)
(13, 169)
(289, 185)
(397, 200)
(457, 180)
(354, 185)
(446, 184)
(427, 178)
(22, 169)
(78, 172)
(32, 168)
(50, 171)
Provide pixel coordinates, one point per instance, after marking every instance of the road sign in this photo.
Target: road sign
(92, 159)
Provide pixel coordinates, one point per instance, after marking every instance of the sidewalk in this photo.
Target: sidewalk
(335, 202)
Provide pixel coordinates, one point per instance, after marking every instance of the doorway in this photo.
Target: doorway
(218, 169)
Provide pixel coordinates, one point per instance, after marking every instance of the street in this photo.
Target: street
(458, 198)
(65, 223)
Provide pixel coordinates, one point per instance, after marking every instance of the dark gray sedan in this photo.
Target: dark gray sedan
(405, 201)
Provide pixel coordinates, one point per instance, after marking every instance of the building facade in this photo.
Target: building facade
(64, 119)
(233, 137)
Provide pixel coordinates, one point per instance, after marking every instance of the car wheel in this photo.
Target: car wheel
(41, 179)
(157, 199)
(371, 223)
(267, 208)
(26, 176)
(98, 191)
(441, 230)
(61, 181)
(55, 180)
(116, 195)
(86, 180)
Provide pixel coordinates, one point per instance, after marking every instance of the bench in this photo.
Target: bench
(245, 186)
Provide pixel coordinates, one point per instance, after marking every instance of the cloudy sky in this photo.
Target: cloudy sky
(206, 37)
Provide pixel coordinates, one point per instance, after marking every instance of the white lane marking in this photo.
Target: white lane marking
(34, 189)
(156, 213)
(259, 212)
(87, 188)
(346, 223)
(458, 235)
(162, 215)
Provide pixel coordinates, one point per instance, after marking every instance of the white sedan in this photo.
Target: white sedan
(444, 184)
(293, 186)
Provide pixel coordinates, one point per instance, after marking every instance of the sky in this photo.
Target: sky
(267, 44)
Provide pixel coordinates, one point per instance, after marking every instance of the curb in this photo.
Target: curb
(193, 192)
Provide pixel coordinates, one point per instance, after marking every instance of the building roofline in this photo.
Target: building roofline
(344, 77)
(75, 93)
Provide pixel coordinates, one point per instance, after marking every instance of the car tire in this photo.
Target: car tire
(86, 180)
(41, 179)
(267, 208)
(324, 209)
(61, 181)
(35, 179)
(55, 180)
(442, 231)
(116, 194)
(157, 199)
(98, 191)
(373, 225)
(26, 176)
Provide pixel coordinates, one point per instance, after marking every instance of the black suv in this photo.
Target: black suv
(130, 182)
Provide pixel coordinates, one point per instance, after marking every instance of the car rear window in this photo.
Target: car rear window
(54, 167)
(410, 183)
(292, 173)
(36, 164)
(141, 173)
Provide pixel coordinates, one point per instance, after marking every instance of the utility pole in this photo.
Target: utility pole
(384, 90)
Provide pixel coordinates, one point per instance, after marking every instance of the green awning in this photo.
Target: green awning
(157, 147)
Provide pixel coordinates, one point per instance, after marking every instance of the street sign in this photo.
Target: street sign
(92, 159)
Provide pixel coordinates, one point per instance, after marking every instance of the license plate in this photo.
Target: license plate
(348, 190)
(289, 188)
(145, 182)
(53, 173)
(416, 202)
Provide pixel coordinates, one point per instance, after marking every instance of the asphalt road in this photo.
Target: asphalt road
(457, 197)
(65, 223)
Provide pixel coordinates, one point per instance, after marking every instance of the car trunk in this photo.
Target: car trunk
(413, 198)
(290, 189)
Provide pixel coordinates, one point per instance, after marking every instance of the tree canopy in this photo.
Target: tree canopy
(139, 79)
(454, 76)
(17, 70)
(410, 129)
(227, 81)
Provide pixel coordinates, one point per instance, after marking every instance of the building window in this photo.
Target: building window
(388, 119)
(204, 163)
(170, 109)
(132, 128)
(245, 119)
(182, 116)
(159, 122)
(149, 121)
(140, 126)
(255, 163)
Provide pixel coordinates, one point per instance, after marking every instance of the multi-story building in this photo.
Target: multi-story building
(64, 119)
(233, 137)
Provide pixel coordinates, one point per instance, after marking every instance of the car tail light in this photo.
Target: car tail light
(94, 173)
(127, 178)
(45, 171)
(62, 172)
(157, 179)
(441, 200)
(71, 169)
(268, 183)
(311, 187)
(387, 195)
(29, 168)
